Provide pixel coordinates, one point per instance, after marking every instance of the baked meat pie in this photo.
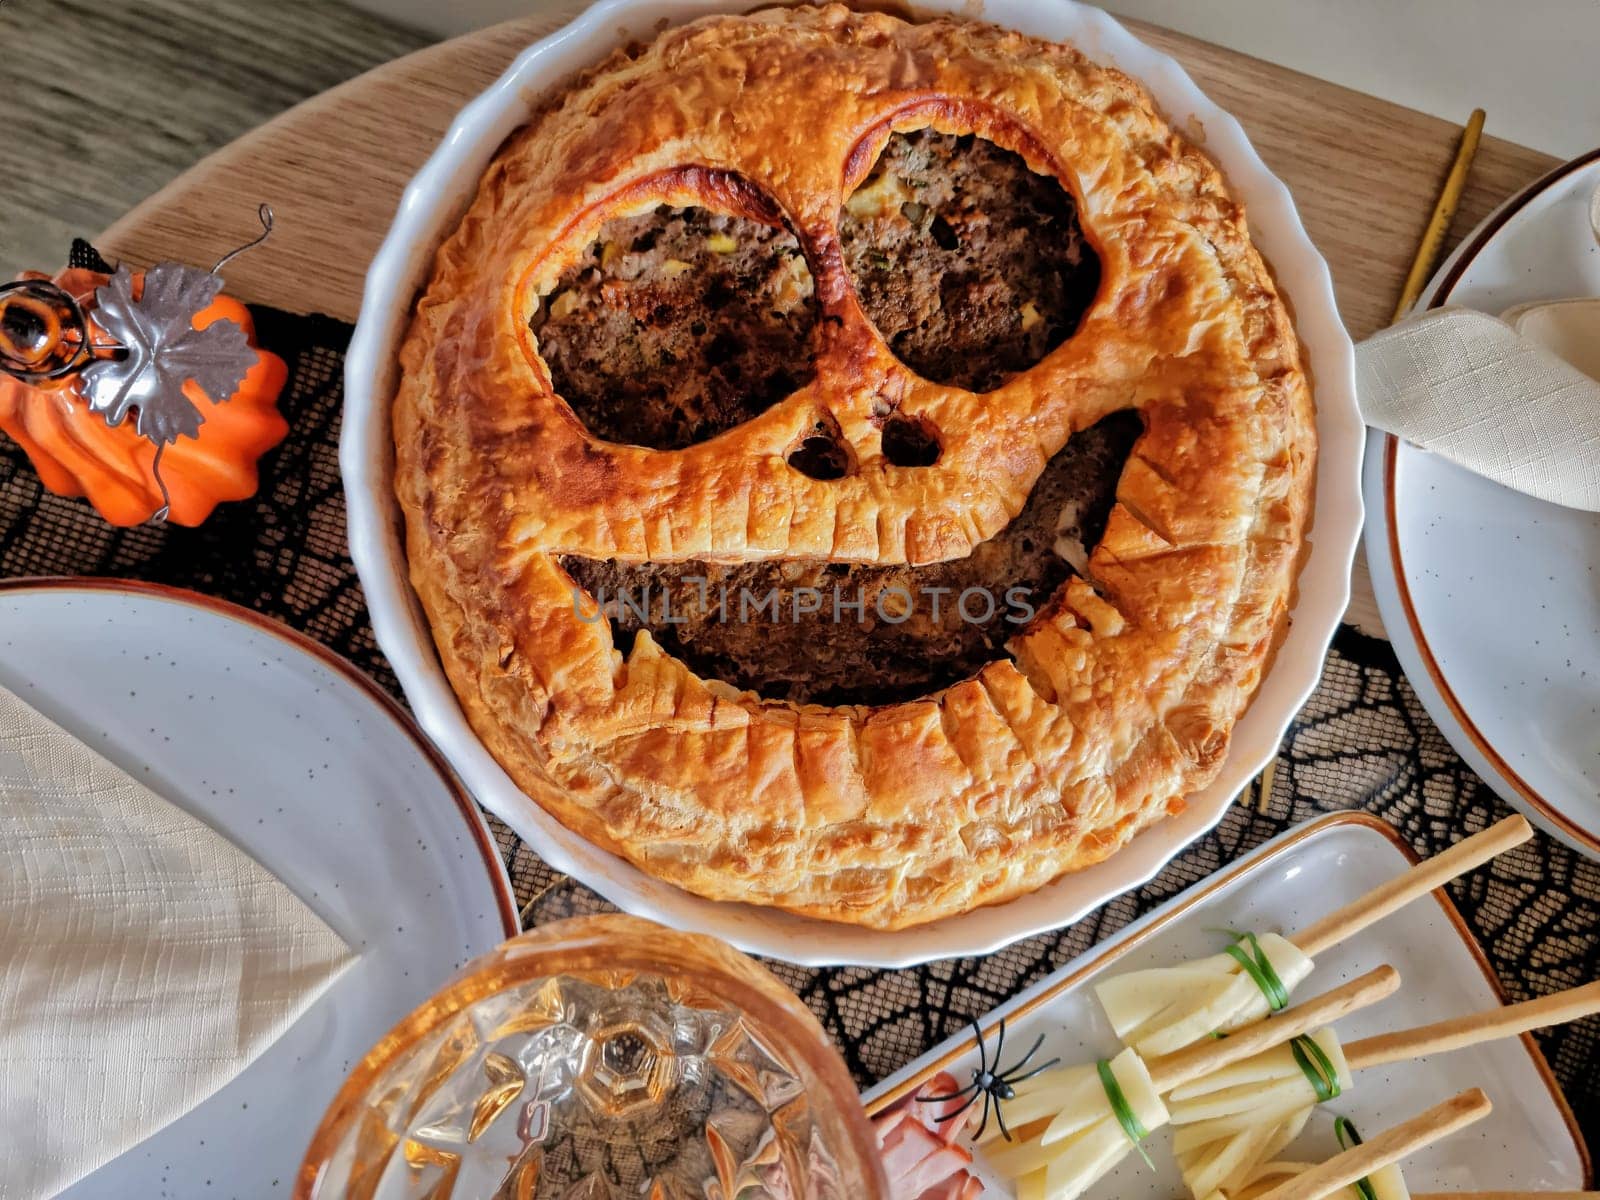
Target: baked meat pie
(854, 466)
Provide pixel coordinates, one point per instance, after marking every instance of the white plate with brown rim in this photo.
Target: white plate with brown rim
(297, 758)
(1492, 598)
(429, 209)
(1529, 1141)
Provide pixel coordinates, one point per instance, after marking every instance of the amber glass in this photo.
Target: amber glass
(596, 1059)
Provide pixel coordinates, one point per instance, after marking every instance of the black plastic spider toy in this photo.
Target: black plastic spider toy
(996, 1086)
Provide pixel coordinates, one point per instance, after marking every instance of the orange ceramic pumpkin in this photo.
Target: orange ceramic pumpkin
(77, 454)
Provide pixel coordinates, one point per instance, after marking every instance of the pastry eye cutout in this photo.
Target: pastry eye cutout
(971, 265)
(678, 323)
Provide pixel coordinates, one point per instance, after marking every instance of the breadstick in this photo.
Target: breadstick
(1459, 1032)
(1464, 856)
(1388, 1147)
(1201, 1058)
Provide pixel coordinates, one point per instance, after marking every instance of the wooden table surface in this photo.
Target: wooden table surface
(86, 135)
(1363, 171)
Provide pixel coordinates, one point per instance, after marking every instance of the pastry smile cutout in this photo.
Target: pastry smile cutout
(812, 301)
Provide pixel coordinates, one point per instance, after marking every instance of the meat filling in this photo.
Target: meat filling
(678, 324)
(971, 266)
(837, 633)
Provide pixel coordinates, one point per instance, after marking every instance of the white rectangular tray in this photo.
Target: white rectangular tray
(1530, 1140)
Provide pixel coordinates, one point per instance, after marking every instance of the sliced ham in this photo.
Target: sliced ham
(935, 1170)
(906, 1147)
(890, 1121)
(930, 1111)
(921, 1155)
(957, 1187)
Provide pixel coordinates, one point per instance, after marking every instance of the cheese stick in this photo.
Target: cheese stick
(1162, 1009)
(1081, 1121)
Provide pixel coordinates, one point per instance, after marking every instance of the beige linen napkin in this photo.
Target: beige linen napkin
(1464, 385)
(144, 959)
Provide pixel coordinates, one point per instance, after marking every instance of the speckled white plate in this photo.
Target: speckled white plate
(430, 208)
(1529, 1141)
(298, 758)
(1492, 598)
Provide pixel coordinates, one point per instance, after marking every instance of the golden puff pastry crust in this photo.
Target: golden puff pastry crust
(1114, 704)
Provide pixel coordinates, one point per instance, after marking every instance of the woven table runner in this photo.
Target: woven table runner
(1363, 741)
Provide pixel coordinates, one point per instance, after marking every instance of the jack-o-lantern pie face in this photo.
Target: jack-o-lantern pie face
(853, 466)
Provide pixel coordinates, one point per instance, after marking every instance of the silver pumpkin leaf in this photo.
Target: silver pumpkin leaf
(163, 351)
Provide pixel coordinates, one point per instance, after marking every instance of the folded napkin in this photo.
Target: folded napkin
(1467, 387)
(144, 959)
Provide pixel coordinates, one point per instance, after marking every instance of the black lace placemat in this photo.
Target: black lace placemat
(1363, 741)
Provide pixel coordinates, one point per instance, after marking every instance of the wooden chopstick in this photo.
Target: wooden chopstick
(1264, 786)
(1427, 875)
(1388, 1147)
(1205, 1056)
(1443, 213)
(1459, 1032)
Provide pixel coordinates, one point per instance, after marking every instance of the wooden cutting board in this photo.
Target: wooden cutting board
(1364, 172)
